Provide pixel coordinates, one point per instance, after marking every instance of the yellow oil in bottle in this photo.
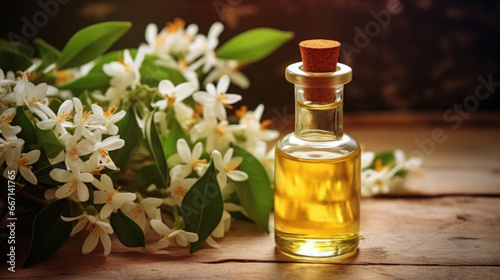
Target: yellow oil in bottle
(317, 202)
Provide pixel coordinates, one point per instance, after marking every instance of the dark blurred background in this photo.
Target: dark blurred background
(418, 55)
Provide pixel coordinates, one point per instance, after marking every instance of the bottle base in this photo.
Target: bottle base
(315, 247)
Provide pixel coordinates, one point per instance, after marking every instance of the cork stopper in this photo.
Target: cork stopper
(319, 55)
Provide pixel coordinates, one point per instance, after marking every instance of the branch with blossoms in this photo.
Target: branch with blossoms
(134, 140)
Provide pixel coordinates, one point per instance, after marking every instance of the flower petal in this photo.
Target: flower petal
(61, 175)
(223, 84)
(184, 151)
(82, 191)
(106, 243)
(28, 174)
(237, 175)
(106, 210)
(65, 190)
(90, 243)
(166, 87)
(160, 227)
(210, 241)
(217, 158)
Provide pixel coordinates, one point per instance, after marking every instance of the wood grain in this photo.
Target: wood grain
(444, 226)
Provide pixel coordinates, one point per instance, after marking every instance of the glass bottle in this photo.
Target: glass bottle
(317, 174)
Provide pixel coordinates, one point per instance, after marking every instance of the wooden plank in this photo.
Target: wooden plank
(158, 269)
(441, 231)
(466, 147)
(441, 180)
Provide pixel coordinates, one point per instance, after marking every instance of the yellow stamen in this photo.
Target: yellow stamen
(241, 112)
(64, 116)
(198, 164)
(24, 161)
(180, 192)
(171, 98)
(378, 165)
(177, 24)
(139, 209)
(220, 131)
(64, 76)
(230, 167)
(104, 154)
(110, 112)
(221, 98)
(5, 120)
(265, 124)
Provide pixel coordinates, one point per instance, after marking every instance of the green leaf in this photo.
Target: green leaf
(127, 231)
(131, 133)
(43, 174)
(27, 130)
(92, 81)
(155, 147)
(49, 232)
(253, 45)
(256, 193)
(49, 142)
(18, 47)
(152, 73)
(96, 79)
(11, 60)
(385, 157)
(175, 133)
(202, 207)
(90, 42)
(148, 175)
(45, 49)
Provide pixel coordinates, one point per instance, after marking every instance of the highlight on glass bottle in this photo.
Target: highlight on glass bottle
(317, 172)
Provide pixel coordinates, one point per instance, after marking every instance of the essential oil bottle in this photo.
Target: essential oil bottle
(317, 174)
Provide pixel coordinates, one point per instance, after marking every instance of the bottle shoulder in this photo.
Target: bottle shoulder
(346, 146)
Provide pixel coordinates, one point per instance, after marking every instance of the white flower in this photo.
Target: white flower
(190, 159)
(35, 95)
(6, 80)
(109, 117)
(227, 167)
(125, 73)
(173, 39)
(266, 158)
(102, 148)
(168, 236)
(254, 129)
(8, 131)
(367, 159)
(115, 95)
(204, 48)
(138, 211)
(230, 68)
(178, 189)
(98, 228)
(22, 163)
(74, 148)
(10, 149)
(92, 165)
(74, 182)
(220, 230)
(216, 100)
(384, 179)
(49, 119)
(17, 95)
(85, 119)
(173, 94)
(111, 198)
(219, 135)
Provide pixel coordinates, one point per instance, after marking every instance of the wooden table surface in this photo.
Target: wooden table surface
(446, 225)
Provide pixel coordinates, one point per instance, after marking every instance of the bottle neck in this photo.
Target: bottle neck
(319, 121)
